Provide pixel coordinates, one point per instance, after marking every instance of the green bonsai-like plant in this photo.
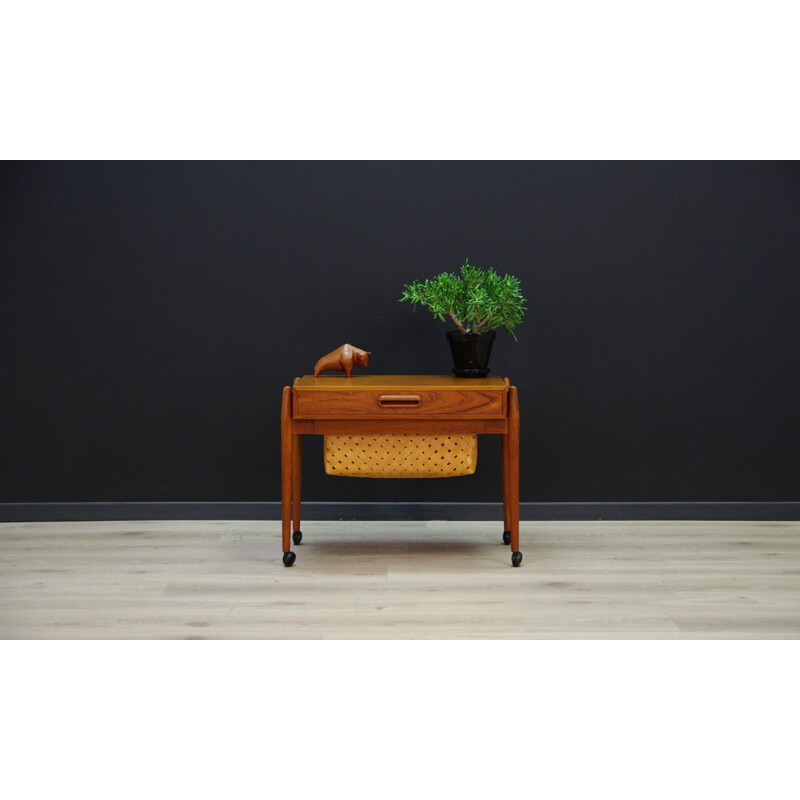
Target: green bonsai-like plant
(479, 300)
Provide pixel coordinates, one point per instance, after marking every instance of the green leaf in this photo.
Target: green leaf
(480, 299)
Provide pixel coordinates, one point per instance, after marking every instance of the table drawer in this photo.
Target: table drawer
(343, 404)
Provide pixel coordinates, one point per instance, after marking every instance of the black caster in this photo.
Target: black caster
(297, 537)
(288, 559)
(516, 558)
(506, 537)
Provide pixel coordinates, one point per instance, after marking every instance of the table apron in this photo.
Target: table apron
(369, 426)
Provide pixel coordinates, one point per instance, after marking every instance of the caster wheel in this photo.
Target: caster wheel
(297, 537)
(506, 537)
(516, 558)
(288, 559)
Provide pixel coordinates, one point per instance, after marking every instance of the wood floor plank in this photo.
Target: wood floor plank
(399, 580)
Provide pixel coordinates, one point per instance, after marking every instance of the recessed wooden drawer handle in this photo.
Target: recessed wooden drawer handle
(399, 400)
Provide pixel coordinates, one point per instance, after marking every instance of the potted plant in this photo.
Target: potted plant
(478, 301)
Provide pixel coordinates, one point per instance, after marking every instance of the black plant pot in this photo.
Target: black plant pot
(471, 353)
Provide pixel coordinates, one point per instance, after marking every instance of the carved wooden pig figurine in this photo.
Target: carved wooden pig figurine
(343, 358)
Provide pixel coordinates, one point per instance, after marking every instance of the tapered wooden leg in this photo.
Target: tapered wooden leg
(513, 473)
(506, 504)
(286, 472)
(297, 472)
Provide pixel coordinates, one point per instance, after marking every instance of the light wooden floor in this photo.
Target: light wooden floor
(399, 580)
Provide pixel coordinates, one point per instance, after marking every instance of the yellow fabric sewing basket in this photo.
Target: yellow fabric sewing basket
(401, 455)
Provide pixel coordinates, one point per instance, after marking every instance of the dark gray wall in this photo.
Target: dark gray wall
(151, 312)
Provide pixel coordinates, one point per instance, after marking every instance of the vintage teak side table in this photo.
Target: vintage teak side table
(392, 404)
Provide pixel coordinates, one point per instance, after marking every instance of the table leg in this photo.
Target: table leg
(506, 504)
(297, 478)
(286, 475)
(513, 473)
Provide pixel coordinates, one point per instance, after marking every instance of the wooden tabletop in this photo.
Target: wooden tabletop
(390, 382)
